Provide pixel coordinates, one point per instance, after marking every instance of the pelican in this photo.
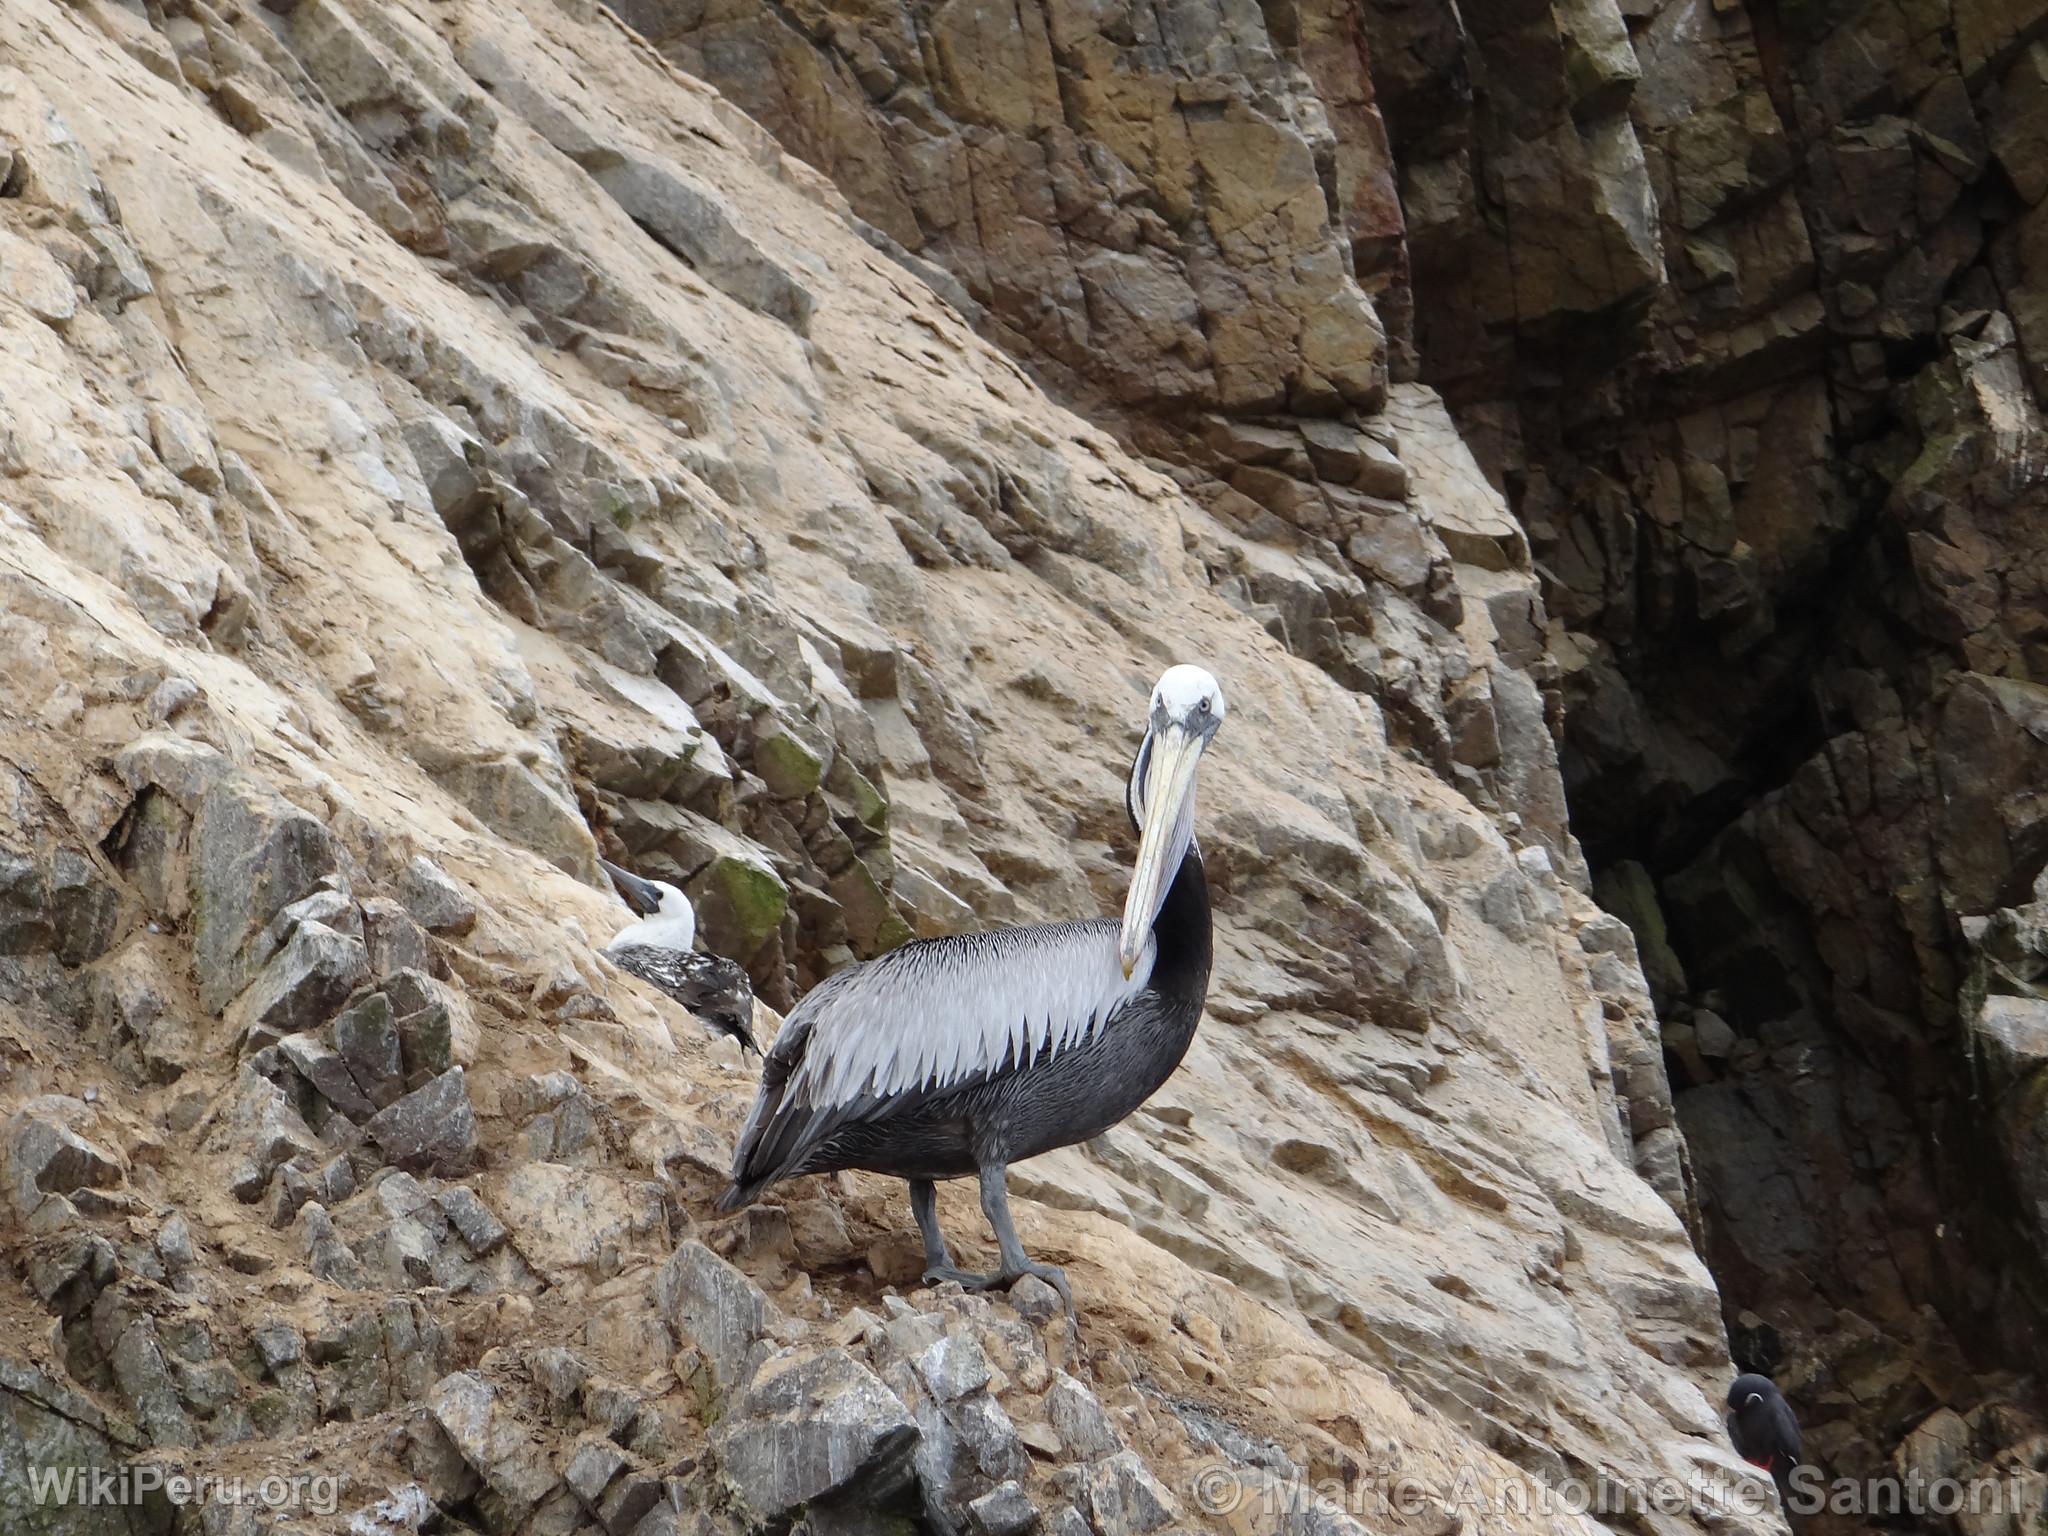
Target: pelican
(658, 950)
(964, 1054)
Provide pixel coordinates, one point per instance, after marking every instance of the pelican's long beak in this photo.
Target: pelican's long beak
(1168, 823)
(639, 894)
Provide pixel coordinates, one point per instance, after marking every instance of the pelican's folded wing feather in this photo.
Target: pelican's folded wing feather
(935, 1014)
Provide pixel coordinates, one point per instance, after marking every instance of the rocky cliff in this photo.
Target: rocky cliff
(1741, 306)
(776, 447)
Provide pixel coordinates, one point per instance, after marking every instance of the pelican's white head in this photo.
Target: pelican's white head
(1187, 709)
(1189, 695)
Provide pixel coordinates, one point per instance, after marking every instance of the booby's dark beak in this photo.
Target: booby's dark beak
(638, 894)
(1168, 822)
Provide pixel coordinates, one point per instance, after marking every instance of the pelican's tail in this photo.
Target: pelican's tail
(737, 1196)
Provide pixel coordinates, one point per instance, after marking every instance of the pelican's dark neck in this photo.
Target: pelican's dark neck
(1183, 933)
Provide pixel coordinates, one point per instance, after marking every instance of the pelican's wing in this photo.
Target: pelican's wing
(935, 1014)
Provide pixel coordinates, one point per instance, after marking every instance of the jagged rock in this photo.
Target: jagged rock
(367, 1041)
(331, 1258)
(44, 1156)
(24, 907)
(695, 222)
(575, 1217)
(135, 1354)
(1126, 1499)
(954, 1366)
(492, 1441)
(174, 1244)
(31, 277)
(327, 1073)
(1005, 1510)
(44, 1423)
(517, 803)
(84, 909)
(436, 901)
(278, 1344)
(393, 940)
(304, 982)
(591, 1470)
(405, 1511)
(711, 1303)
(260, 1129)
(434, 1024)
(1077, 1417)
(815, 1429)
(432, 1129)
(68, 1277)
(630, 1498)
(251, 854)
(480, 1230)
(741, 904)
(985, 1434)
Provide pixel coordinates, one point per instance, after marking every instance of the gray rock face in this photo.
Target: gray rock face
(434, 900)
(44, 1156)
(328, 1074)
(244, 855)
(491, 1440)
(367, 1040)
(259, 1127)
(715, 1306)
(815, 1428)
(304, 982)
(430, 1130)
(1079, 1420)
(1126, 1499)
(1005, 1510)
(394, 941)
(698, 225)
(45, 1424)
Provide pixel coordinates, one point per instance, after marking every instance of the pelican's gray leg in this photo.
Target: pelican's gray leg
(924, 1205)
(995, 1204)
(1015, 1265)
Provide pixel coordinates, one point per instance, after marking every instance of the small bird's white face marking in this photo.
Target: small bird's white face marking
(672, 925)
(1753, 1399)
(1190, 696)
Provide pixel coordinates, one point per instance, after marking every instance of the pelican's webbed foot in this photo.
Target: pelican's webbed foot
(995, 1204)
(1051, 1274)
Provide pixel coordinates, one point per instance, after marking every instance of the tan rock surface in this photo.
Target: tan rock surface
(465, 438)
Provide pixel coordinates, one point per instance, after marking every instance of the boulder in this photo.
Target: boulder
(45, 1156)
(715, 1306)
(815, 1428)
(304, 982)
(430, 1130)
(488, 1435)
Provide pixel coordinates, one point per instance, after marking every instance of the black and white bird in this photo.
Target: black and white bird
(659, 949)
(1761, 1425)
(964, 1054)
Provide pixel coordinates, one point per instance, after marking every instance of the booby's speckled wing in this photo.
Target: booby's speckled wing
(935, 1014)
(710, 985)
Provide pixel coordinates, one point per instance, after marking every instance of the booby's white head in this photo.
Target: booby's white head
(1187, 709)
(668, 921)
